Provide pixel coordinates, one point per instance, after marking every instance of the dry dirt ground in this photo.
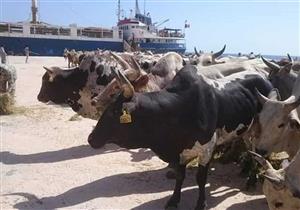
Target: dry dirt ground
(46, 162)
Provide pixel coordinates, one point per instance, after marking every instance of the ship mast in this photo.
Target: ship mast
(34, 10)
(119, 10)
(137, 9)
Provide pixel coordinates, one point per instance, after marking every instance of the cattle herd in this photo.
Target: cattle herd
(183, 107)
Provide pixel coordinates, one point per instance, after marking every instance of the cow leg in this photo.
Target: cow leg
(175, 198)
(171, 173)
(201, 178)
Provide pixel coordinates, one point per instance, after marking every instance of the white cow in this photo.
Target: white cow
(282, 187)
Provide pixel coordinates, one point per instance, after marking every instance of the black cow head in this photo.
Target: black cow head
(62, 86)
(281, 77)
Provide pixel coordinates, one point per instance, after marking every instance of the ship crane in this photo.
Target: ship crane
(160, 23)
(34, 11)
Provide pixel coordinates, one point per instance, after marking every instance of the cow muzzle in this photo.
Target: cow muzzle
(92, 140)
(43, 99)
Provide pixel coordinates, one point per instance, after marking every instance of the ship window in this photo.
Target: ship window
(4, 28)
(147, 40)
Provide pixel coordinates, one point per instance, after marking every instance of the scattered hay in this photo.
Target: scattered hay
(20, 110)
(75, 117)
(6, 104)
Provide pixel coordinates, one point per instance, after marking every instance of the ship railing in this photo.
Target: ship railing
(39, 30)
(10, 28)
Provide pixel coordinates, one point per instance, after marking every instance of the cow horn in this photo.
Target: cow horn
(196, 52)
(49, 70)
(137, 66)
(125, 84)
(120, 60)
(272, 66)
(288, 107)
(218, 54)
(262, 99)
(262, 161)
(271, 174)
(290, 58)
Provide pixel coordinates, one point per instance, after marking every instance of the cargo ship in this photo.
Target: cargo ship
(140, 32)
(50, 40)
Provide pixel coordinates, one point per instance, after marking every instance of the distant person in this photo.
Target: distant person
(251, 55)
(65, 53)
(26, 50)
(3, 55)
(239, 54)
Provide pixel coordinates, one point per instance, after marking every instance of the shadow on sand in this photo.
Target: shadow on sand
(142, 183)
(76, 152)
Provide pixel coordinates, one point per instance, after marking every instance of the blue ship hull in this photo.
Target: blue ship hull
(54, 47)
(163, 47)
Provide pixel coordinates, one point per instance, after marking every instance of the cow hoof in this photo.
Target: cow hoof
(202, 206)
(170, 206)
(171, 174)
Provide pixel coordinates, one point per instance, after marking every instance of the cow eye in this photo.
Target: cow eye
(281, 125)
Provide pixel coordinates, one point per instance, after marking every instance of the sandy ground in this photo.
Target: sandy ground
(46, 162)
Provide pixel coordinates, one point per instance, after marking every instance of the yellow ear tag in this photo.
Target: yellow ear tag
(125, 117)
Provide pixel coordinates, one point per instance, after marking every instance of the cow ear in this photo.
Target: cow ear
(274, 95)
(141, 82)
(294, 124)
(287, 68)
(288, 107)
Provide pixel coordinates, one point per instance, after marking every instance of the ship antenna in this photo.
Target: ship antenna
(119, 10)
(34, 10)
(144, 7)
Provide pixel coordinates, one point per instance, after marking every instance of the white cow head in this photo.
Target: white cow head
(279, 123)
(207, 59)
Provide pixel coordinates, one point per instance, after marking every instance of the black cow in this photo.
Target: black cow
(172, 120)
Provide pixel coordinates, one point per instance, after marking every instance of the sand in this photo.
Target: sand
(46, 162)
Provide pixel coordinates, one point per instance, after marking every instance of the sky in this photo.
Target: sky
(262, 26)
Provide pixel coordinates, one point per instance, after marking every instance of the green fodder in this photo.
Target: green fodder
(6, 104)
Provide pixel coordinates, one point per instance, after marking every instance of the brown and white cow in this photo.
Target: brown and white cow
(161, 75)
(73, 57)
(79, 85)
